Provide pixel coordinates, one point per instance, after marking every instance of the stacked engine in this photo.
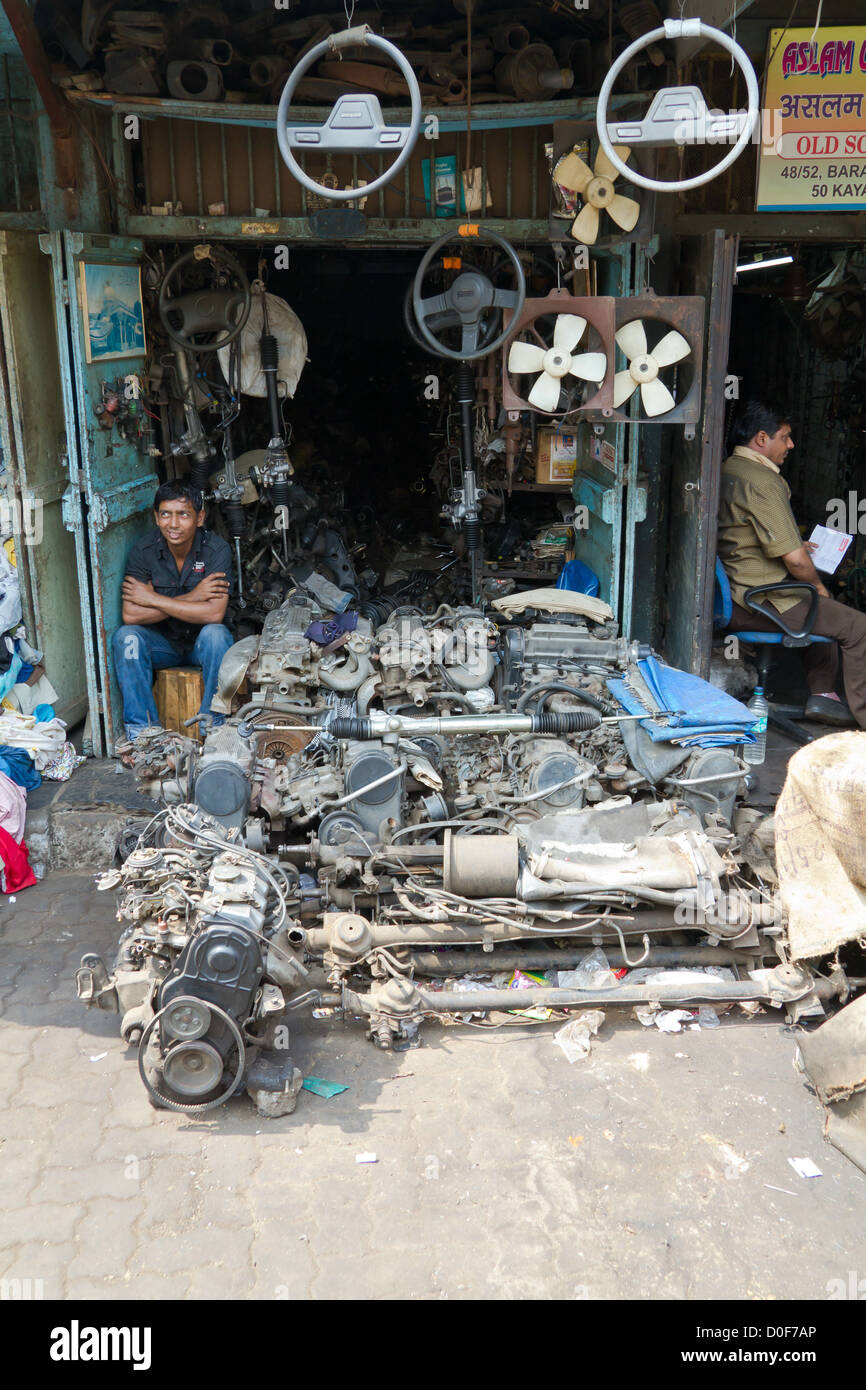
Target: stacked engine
(443, 793)
(206, 963)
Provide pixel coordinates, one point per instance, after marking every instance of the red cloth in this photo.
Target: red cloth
(17, 863)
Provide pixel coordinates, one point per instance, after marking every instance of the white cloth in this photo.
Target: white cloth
(554, 601)
(13, 807)
(288, 330)
(43, 741)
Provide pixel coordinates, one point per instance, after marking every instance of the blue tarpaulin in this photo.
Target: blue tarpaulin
(707, 717)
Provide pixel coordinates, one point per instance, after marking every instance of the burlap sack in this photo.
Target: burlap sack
(821, 844)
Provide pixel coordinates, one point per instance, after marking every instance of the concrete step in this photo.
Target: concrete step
(75, 824)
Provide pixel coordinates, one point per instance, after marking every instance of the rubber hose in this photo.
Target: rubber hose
(551, 688)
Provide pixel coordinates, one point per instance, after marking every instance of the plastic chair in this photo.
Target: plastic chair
(766, 641)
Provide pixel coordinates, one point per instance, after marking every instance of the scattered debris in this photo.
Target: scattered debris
(366, 1158)
(805, 1168)
(671, 1020)
(575, 1037)
(326, 1089)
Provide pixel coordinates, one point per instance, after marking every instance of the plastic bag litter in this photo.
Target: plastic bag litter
(575, 1037)
(686, 975)
(594, 972)
(671, 1020)
(708, 1018)
(646, 1014)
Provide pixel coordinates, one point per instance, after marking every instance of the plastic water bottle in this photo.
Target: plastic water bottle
(754, 753)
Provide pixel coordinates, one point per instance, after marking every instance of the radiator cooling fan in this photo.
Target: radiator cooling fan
(560, 342)
(642, 373)
(661, 339)
(596, 189)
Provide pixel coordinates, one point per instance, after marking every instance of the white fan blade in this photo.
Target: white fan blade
(603, 165)
(525, 357)
(589, 366)
(568, 331)
(632, 339)
(585, 226)
(572, 173)
(623, 387)
(672, 348)
(656, 397)
(545, 393)
(624, 211)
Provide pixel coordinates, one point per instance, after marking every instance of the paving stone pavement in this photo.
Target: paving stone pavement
(650, 1171)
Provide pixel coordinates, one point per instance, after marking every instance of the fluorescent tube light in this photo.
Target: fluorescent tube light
(764, 265)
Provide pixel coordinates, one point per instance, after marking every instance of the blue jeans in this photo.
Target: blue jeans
(139, 651)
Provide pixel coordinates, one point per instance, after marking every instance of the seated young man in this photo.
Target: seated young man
(175, 595)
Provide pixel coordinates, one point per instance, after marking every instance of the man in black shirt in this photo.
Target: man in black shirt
(175, 595)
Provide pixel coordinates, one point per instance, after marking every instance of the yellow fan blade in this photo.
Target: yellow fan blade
(623, 387)
(585, 226)
(657, 399)
(603, 165)
(624, 211)
(572, 173)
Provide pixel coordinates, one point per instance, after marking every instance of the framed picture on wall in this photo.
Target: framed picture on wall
(112, 310)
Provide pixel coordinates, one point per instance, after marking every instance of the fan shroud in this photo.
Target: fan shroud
(599, 312)
(660, 314)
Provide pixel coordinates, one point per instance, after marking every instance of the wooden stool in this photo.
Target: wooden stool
(177, 692)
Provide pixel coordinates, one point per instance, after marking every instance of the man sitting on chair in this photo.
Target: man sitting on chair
(175, 595)
(759, 543)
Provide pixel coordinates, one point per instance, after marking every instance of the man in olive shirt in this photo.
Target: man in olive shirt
(759, 543)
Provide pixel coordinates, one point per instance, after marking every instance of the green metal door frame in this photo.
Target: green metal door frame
(109, 502)
(33, 432)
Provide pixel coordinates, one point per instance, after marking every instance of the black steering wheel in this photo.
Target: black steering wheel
(219, 310)
(467, 298)
(449, 319)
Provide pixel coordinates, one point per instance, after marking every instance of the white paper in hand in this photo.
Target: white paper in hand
(830, 546)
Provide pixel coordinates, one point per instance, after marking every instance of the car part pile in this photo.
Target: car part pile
(440, 793)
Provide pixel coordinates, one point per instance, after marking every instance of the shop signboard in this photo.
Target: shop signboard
(813, 155)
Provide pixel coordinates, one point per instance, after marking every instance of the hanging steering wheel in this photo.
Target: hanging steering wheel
(678, 115)
(219, 311)
(355, 124)
(467, 298)
(437, 322)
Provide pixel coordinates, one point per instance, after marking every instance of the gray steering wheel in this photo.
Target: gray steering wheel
(355, 124)
(219, 313)
(467, 297)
